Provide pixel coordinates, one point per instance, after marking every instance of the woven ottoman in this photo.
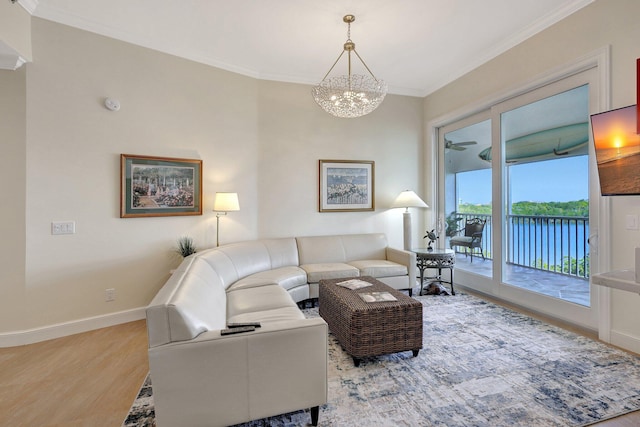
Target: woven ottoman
(366, 329)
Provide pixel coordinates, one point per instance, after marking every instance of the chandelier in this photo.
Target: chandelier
(353, 95)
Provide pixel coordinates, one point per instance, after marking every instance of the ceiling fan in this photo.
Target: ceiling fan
(458, 146)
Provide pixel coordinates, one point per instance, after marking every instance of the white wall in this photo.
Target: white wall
(295, 134)
(15, 29)
(169, 107)
(261, 139)
(604, 23)
(13, 179)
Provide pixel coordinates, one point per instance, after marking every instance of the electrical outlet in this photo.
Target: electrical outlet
(109, 295)
(63, 227)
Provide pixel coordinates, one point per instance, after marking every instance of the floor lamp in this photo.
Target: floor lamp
(408, 199)
(223, 203)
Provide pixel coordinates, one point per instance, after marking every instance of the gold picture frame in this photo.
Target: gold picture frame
(159, 186)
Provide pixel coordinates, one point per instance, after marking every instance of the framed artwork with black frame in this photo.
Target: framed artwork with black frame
(346, 185)
(159, 186)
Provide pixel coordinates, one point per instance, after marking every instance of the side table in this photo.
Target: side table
(437, 259)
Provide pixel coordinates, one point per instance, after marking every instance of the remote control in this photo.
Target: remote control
(241, 324)
(237, 330)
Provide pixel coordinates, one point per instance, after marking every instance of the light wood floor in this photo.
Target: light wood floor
(91, 379)
(88, 379)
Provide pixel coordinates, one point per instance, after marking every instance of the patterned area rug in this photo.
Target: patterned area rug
(481, 365)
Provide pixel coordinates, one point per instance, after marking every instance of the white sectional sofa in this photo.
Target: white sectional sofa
(352, 255)
(203, 378)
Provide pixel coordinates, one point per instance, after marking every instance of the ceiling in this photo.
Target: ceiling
(416, 46)
(527, 122)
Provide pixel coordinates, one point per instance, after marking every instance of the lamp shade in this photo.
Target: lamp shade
(408, 199)
(226, 202)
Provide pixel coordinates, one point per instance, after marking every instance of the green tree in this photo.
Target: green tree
(577, 208)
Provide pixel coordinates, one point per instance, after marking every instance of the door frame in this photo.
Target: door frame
(600, 233)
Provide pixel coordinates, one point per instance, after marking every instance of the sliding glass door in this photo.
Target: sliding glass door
(467, 194)
(546, 169)
(522, 167)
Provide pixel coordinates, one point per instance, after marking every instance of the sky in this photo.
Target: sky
(561, 180)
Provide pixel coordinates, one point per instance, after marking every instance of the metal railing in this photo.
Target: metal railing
(557, 244)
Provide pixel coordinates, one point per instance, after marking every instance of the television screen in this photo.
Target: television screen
(617, 151)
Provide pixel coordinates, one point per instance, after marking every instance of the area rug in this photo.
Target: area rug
(481, 365)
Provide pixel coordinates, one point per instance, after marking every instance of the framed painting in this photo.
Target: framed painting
(159, 186)
(346, 185)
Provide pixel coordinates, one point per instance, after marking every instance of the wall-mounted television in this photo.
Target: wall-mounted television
(617, 151)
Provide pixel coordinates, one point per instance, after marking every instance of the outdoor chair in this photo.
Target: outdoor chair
(472, 237)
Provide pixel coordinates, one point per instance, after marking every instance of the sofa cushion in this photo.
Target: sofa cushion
(266, 316)
(286, 277)
(341, 248)
(221, 263)
(461, 240)
(320, 249)
(239, 260)
(283, 252)
(261, 298)
(379, 268)
(364, 246)
(191, 302)
(329, 270)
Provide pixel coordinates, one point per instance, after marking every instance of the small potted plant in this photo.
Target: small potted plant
(453, 224)
(186, 246)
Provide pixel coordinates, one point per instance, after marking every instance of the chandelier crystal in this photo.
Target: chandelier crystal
(351, 95)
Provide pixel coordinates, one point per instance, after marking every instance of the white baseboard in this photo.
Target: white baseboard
(31, 336)
(627, 342)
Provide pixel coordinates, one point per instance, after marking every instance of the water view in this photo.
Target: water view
(547, 224)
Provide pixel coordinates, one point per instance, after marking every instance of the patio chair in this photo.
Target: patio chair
(472, 237)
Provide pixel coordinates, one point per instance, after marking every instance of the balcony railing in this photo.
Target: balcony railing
(557, 244)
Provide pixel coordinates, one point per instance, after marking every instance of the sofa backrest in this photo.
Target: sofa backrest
(341, 248)
(191, 302)
(238, 260)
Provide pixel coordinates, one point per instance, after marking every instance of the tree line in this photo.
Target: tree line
(576, 208)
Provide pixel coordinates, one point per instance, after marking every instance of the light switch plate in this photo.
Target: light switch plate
(63, 227)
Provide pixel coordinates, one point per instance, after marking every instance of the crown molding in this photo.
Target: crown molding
(29, 5)
(9, 58)
(11, 62)
(514, 40)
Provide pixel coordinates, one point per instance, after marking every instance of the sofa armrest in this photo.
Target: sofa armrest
(278, 368)
(403, 257)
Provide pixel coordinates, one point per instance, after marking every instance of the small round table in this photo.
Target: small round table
(437, 259)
